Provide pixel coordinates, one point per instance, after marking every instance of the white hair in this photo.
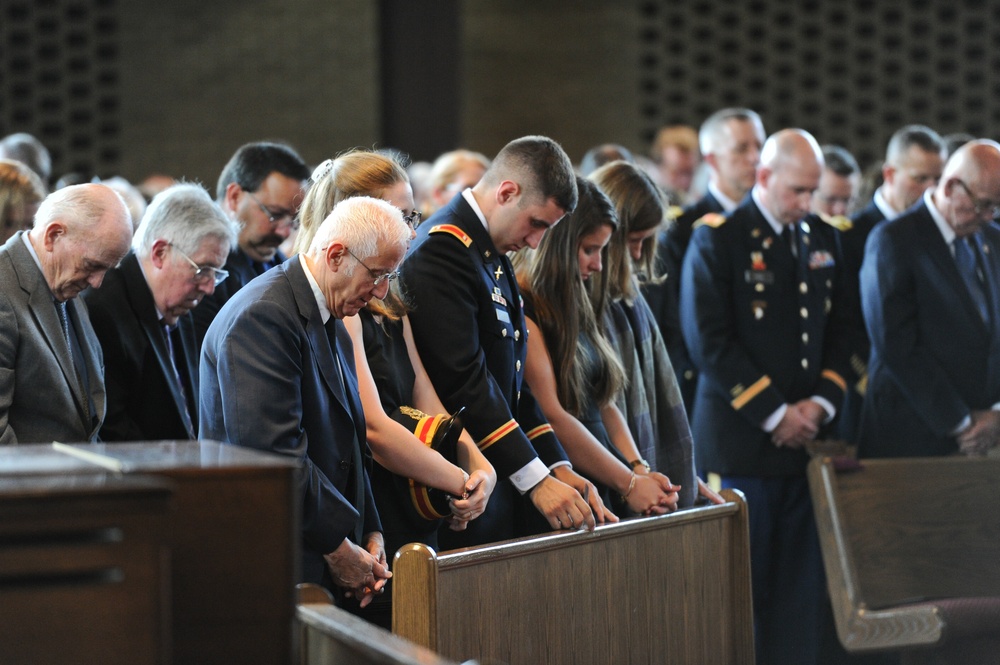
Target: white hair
(363, 224)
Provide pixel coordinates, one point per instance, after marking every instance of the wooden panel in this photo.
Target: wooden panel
(674, 588)
(84, 570)
(897, 531)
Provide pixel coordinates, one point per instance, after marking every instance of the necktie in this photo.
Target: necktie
(788, 233)
(76, 354)
(966, 258)
(185, 412)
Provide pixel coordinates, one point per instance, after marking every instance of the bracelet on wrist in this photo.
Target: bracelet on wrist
(631, 486)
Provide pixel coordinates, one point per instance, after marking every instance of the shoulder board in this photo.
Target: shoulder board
(451, 229)
(713, 219)
(838, 222)
(673, 212)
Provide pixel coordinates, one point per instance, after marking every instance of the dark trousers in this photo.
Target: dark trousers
(786, 568)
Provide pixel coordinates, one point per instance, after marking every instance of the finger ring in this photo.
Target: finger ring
(560, 522)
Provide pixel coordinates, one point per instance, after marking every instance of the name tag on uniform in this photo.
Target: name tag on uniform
(502, 315)
(821, 259)
(758, 277)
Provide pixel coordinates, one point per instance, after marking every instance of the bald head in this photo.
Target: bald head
(791, 164)
(80, 233)
(968, 193)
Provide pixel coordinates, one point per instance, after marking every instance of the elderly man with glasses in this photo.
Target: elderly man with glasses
(930, 288)
(261, 187)
(277, 374)
(142, 315)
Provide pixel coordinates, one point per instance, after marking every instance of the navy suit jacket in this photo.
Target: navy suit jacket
(241, 270)
(765, 329)
(933, 360)
(270, 380)
(145, 401)
(41, 399)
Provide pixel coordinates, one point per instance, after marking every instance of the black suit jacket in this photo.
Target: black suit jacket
(241, 270)
(145, 401)
(270, 380)
(933, 360)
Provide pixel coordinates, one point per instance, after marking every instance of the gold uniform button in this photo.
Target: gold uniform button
(503, 333)
(803, 288)
(804, 312)
(759, 288)
(688, 374)
(517, 335)
(805, 338)
(805, 364)
(517, 365)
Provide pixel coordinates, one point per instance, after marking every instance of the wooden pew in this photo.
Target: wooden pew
(329, 635)
(669, 589)
(912, 553)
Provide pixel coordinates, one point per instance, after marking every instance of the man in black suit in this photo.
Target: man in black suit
(469, 328)
(730, 141)
(141, 316)
(261, 187)
(930, 287)
(277, 374)
(762, 296)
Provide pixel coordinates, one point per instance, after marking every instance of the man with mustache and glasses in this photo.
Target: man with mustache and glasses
(51, 368)
(262, 188)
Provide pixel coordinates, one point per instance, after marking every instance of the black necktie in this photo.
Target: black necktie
(172, 353)
(969, 265)
(76, 353)
(788, 233)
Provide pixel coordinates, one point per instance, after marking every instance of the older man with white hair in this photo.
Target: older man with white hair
(277, 373)
(51, 369)
(142, 315)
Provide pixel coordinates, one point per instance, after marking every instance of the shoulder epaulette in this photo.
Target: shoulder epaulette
(451, 229)
(713, 219)
(673, 212)
(838, 222)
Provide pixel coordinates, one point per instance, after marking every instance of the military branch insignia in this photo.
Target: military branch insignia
(713, 219)
(451, 229)
(673, 212)
(838, 222)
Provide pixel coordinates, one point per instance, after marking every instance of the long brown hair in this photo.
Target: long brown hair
(550, 280)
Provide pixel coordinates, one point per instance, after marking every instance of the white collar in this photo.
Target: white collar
(324, 308)
(943, 226)
(467, 195)
(775, 225)
(728, 205)
(887, 210)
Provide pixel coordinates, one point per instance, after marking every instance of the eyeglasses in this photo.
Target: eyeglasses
(981, 207)
(376, 278)
(281, 220)
(206, 273)
(413, 219)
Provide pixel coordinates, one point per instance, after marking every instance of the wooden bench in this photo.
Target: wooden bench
(912, 554)
(669, 589)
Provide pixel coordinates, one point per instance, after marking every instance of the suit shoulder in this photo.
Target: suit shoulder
(451, 230)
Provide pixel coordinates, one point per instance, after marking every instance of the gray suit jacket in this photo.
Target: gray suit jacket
(41, 399)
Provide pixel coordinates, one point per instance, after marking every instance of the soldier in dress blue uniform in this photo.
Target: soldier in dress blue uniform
(730, 141)
(469, 328)
(761, 299)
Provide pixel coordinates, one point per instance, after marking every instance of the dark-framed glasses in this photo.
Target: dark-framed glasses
(376, 277)
(284, 219)
(203, 274)
(979, 206)
(413, 218)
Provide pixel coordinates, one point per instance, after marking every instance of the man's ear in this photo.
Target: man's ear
(158, 253)
(55, 230)
(507, 191)
(231, 200)
(888, 173)
(334, 255)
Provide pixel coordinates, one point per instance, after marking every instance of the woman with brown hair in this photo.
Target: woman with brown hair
(21, 190)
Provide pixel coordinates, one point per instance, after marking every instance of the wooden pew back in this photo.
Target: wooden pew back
(674, 588)
(899, 531)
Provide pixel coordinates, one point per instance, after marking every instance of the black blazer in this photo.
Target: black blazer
(145, 401)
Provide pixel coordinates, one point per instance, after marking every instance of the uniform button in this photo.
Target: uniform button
(503, 333)
(803, 288)
(688, 374)
(517, 365)
(805, 338)
(804, 312)
(518, 395)
(345, 465)
(829, 284)
(759, 288)
(805, 364)
(517, 335)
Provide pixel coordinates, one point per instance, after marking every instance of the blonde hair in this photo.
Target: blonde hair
(20, 187)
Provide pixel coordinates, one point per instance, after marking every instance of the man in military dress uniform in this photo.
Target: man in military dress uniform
(761, 310)
(469, 329)
(730, 140)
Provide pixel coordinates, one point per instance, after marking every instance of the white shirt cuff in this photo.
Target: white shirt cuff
(830, 409)
(966, 421)
(529, 475)
(772, 420)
